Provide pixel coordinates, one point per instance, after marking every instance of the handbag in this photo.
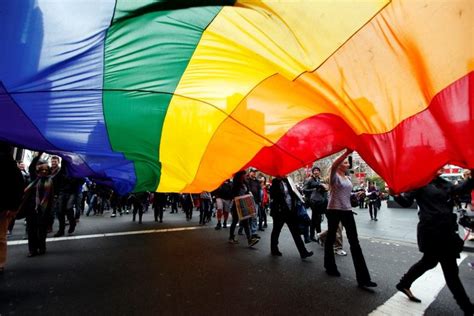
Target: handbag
(302, 214)
(354, 200)
(245, 206)
(465, 220)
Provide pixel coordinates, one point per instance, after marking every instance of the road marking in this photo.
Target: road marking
(138, 232)
(426, 288)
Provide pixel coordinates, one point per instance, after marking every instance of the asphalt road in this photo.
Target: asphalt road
(194, 271)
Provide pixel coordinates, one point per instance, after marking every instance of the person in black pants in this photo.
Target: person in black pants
(36, 206)
(159, 204)
(437, 236)
(66, 187)
(137, 203)
(11, 192)
(284, 202)
(187, 204)
(174, 197)
(240, 187)
(316, 196)
(374, 200)
(340, 210)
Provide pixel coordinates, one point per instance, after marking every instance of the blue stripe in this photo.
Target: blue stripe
(53, 69)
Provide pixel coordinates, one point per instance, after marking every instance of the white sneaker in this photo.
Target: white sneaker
(340, 252)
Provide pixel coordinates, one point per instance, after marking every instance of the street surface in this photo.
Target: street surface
(113, 266)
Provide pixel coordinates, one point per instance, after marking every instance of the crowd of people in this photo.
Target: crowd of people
(46, 192)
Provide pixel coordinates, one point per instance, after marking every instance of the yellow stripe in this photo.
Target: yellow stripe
(389, 71)
(243, 46)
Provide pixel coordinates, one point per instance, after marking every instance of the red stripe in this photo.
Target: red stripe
(406, 157)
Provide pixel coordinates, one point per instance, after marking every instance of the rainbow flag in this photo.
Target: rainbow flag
(176, 96)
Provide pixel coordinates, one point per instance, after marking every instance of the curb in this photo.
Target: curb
(468, 246)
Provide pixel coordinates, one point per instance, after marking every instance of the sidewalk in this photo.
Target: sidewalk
(396, 224)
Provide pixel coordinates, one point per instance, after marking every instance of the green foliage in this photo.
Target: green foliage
(379, 182)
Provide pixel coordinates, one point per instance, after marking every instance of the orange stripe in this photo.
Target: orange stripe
(406, 157)
(386, 73)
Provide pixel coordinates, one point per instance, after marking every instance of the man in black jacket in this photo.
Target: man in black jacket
(11, 191)
(316, 197)
(64, 186)
(284, 201)
(437, 236)
(223, 202)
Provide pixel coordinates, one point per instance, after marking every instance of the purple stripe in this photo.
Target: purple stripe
(16, 127)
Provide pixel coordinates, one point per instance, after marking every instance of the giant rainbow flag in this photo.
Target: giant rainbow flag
(176, 96)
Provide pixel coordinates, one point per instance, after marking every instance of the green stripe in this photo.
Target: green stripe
(145, 57)
(130, 8)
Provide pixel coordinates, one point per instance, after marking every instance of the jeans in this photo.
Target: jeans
(58, 205)
(77, 204)
(92, 204)
(66, 210)
(254, 221)
(204, 211)
(243, 223)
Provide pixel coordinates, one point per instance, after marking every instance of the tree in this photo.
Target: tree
(379, 183)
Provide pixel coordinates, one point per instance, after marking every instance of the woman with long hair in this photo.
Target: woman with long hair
(340, 210)
(239, 188)
(37, 202)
